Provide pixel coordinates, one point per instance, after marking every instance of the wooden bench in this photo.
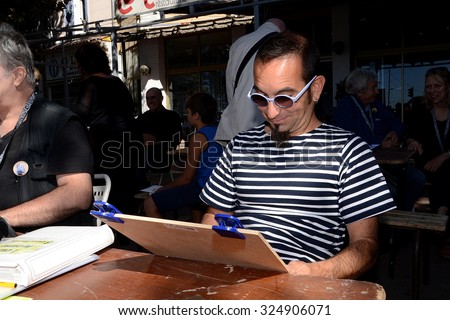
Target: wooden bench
(419, 222)
(414, 220)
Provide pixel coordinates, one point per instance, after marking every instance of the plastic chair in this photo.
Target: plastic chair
(101, 191)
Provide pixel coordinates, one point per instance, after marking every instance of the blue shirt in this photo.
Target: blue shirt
(371, 124)
(209, 156)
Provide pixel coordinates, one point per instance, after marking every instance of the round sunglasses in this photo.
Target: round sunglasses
(282, 101)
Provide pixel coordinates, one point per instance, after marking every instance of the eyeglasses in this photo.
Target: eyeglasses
(282, 101)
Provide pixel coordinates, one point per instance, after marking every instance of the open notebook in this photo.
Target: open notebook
(192, 241)
(6, 292)
(44, 253)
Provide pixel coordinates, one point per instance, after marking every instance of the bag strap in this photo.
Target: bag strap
(249, 54)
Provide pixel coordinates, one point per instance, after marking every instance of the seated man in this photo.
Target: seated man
(161, 131)
(360, 112)
(312, 190)
(203, 152)
(46, 163)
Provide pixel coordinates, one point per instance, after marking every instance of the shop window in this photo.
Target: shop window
(214, 48)
(197, 64)
(183, 85)
(402, 78)
(376, 26)
(182, 52)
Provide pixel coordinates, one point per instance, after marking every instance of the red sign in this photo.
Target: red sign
(134, 7)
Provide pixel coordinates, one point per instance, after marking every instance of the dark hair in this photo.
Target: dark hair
(288, 43)
(205, 105)
(92, 59)
(157, 90)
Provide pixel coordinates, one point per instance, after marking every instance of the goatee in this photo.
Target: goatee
(281, 138)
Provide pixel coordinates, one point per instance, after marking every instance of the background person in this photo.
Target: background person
(359, 111)
(106, 107)
(240, 113)
(45, 159)
(312, 189)
(37, 79)
(428, 135)
(161, 131)
(203, 152)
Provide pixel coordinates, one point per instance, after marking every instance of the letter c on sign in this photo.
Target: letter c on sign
(125, 2)
(149, 5)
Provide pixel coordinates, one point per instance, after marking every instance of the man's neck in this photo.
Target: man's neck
(10, 115)
(160, 108)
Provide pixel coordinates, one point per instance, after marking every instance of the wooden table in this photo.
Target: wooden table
(121, 275)
(392, 155)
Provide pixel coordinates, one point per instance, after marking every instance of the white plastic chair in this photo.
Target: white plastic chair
(101, 191)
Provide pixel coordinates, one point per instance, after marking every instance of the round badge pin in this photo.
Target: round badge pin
(20, 168)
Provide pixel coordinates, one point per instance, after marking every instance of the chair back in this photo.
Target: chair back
(101, 189)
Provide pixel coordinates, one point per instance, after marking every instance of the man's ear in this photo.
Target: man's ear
(20, 74)
(317, 87)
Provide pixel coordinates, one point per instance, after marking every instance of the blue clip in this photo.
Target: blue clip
(106, 211)
(227, 226)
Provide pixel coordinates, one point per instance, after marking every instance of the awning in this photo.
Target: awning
(176, 25)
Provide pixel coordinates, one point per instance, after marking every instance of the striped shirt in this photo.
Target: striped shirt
(299, 197)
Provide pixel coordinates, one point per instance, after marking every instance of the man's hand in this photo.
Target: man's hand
(391, 140)
(300, 268)
(415, 146)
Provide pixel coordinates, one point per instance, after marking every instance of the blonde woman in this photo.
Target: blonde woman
(429, 136)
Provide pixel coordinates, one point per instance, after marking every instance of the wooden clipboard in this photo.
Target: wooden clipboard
(198, 242)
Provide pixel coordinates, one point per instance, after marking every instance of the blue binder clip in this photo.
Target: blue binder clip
(105, 211)
(228, 226)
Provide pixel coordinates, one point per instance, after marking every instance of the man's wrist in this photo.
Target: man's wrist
(208, 218)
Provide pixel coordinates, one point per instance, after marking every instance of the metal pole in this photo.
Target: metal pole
(66, 80)
(115, 64)
(256, 21)
(114, 61)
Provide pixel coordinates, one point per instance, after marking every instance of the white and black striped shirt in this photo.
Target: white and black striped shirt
(301, 196)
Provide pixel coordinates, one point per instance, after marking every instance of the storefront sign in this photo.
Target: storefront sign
(134, 7)
(57, 64)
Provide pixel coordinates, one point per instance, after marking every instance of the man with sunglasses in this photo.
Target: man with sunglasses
(313, 190)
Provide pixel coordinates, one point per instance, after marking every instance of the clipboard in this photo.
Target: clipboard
(194, 241)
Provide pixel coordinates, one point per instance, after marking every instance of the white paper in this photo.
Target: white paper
(151, 189)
